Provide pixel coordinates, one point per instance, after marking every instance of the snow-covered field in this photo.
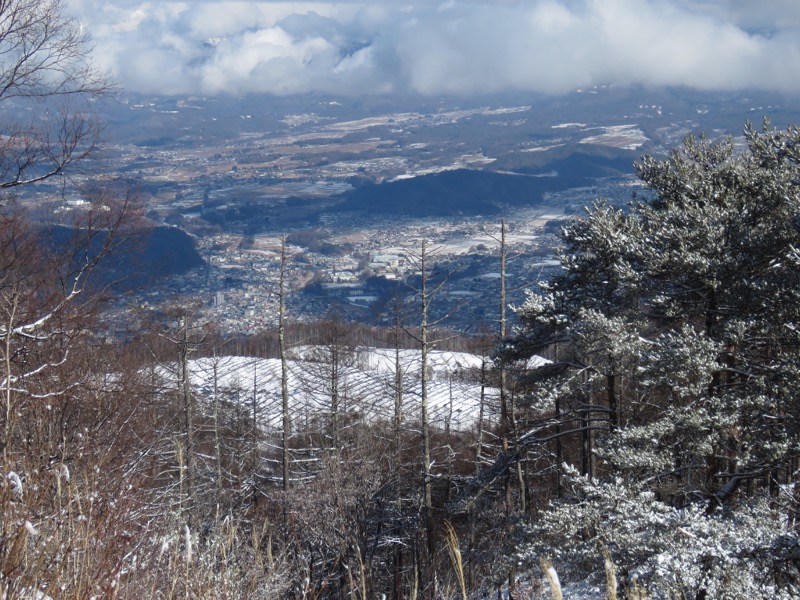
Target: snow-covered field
(627, 137)
(366, 385)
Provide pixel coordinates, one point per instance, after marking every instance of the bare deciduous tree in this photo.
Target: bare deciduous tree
(44, 279)
(45, 63)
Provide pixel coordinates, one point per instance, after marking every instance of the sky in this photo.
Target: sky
(433, 47)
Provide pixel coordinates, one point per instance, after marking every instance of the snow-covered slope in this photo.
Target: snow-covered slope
(366, 385)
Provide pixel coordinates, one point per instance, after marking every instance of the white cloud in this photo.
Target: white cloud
(445, 46)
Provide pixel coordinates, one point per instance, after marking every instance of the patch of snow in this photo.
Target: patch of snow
(626, 137)
(15, 482)
(31, 529)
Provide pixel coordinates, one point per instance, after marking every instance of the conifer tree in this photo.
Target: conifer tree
(685, 306)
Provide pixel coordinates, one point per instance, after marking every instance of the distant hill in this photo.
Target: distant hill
(472, 192)
(142, 256)
(166, 251)
(459, 192)
(572, 162)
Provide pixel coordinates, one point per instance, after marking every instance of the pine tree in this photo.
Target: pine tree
(685, 306)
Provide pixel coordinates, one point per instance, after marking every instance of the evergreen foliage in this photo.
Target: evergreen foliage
(675, 324)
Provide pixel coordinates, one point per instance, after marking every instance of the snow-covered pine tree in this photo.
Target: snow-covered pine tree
(688, 303)
(580, 320)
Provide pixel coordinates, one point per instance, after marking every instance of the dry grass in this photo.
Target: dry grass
(611, 572)
(454, 550)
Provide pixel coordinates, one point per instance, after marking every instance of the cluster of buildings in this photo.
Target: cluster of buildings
(239, 286)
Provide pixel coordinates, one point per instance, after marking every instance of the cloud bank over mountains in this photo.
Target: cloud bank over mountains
(443, 47)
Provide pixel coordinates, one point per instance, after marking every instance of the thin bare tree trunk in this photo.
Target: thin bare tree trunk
(398, 399)
(507, 417)
(9, 375)
(284, 367)
(424, 343)
(426, 433)
(188, 412)
(254, 454)
(335, 374)
(398, 450)
(217, 442)
(481, 409)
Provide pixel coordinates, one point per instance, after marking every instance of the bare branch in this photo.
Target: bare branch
(45, 66)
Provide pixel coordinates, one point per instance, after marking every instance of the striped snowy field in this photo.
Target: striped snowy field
(364, 382)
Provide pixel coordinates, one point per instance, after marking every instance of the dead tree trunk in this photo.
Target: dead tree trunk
(285, 459)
